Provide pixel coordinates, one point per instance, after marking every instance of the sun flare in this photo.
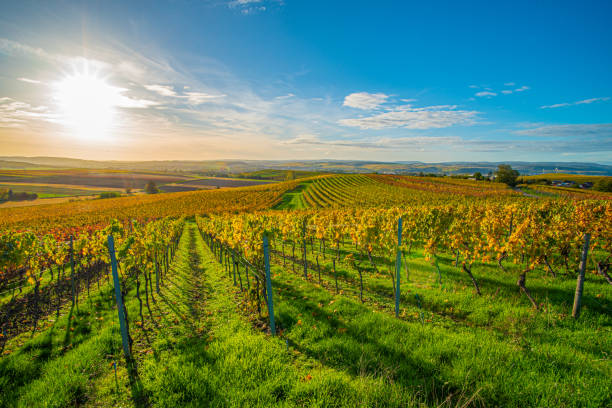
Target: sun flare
(87, 104)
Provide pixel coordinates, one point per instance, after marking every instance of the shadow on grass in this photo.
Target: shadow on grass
(139, 394)
(356, 350)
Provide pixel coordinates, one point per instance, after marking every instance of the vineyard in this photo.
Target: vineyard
(333, 290)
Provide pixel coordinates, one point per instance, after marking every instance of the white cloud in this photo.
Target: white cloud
(489, 92)
(197, 98)
(588, 101)
(556, 105)
(408, 117)
(365, 100)
(582, 102)
(192, 97)
(163, 90)
(252, 6)
(123, 101)
(28, 80)
(15, 113)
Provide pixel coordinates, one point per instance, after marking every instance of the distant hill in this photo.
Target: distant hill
(18, 165)
(227, 167)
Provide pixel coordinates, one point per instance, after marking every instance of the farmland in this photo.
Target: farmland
(88, 183)
(473, 307)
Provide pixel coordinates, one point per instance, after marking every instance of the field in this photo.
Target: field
(576, 178)
(472, 308)
(83, 183)
(90, 178)
(206, 183)
(277, 175)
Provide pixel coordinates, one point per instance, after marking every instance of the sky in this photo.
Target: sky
(424, 81)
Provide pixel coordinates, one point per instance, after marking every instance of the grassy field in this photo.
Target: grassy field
(54, 190)
(201, 344)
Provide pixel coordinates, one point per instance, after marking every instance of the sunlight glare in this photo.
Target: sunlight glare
(87, 104)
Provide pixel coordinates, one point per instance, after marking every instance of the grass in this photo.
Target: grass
(453, 342)
(216, 357)
(50, 191)
(55, 367)
(201, 345)
(293, 199)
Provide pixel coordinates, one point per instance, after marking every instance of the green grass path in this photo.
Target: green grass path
(293, 199)
(214, 356)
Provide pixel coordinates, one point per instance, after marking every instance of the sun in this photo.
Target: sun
(87, 104)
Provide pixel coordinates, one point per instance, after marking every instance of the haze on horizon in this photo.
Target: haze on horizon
(282, 79)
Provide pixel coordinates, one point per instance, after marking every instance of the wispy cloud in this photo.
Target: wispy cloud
(413, 142)
(28, 80)
(15, 113)
(365, 100)
(163, 90)
(582, 102)
(589, 144)
(253, 6)
(603, 130)
(192, 97)
(482, 94)
(409, 117)
(489, 93)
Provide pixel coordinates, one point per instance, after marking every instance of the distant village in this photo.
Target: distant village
(562, 183)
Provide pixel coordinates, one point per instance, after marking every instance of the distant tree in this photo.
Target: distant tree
(603, 184)
(151, 188)
(21, 196)
(128, 190)
(109, 194)
(290, 175)
(478, 175)
(506, 174)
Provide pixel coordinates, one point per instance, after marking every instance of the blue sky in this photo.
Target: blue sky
(269, 79)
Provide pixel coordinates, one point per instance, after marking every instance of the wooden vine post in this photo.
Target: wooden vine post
(72, 269)
(156, 273)
(266, 250)
(304, 250)
(398, 266)
(580, 280)
(119, 299)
